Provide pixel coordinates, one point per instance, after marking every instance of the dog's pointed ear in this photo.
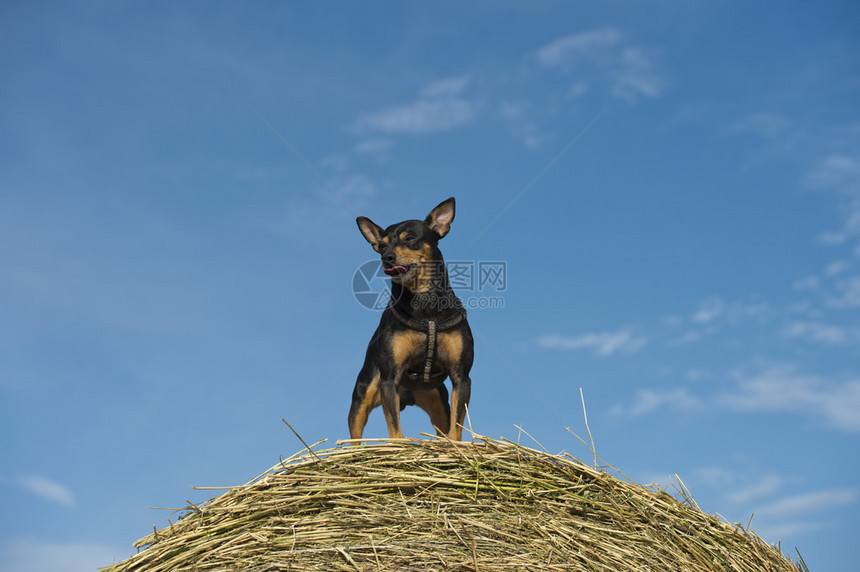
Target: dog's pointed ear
(441, 217)
(370, 230)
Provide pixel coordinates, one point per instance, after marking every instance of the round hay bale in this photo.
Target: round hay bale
(434, 505)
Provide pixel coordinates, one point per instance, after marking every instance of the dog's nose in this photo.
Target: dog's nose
(389, 257)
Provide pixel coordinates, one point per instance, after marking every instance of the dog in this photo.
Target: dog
(423, 336)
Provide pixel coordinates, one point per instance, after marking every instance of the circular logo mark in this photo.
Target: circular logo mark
(370, 286)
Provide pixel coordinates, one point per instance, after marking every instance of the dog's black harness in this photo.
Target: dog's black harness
(430, 327)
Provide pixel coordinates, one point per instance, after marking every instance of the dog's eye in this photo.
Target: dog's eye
(411, 238)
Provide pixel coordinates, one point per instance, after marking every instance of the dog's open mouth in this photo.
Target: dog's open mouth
(396, 270)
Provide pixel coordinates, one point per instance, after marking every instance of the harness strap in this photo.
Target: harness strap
(431, 327)
(431, 347)
(423, 326)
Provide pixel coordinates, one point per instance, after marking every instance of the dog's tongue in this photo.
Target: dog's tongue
(395, 270)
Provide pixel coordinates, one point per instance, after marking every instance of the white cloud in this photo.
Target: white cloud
(808, 283)
(763, 125)
(691, 337)
(783, 388)
(709, 311)
(766, 486)
(832, 270)
(836, 267)
(373, 146)
(521, 125)
(774, 533)
(849, 294)
(807, 503)
(715, 477)
(48, 489)
(28, 555)
(791, 516)
(448, 87)
(650, 400)
(578, 89)
(840, 174)
(571, 50)
(630, 70)
(602, 343)
(635, 76)
(711, 316)
(341, 197)
(776, 389)
(695, 374)
(356, 187)
(715, 309)
(439, 107)
(822, 333)
(423, 116)
(739, 486)
(832, 238)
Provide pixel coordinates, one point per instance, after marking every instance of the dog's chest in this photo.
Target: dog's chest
(410, 350)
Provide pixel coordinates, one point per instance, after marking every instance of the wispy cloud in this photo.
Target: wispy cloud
(838, 287)
(803, 504)
(448, 87)
(765, 486)
(822, 333)
(376, 147)
(779, 388)
(439, 107)
(836, 267)
(31, 555)
(47, 489)
(692, 336)
(711, 316)
(630, 70)
(715, 309)
(635, 75)
(715, 477)
(808, 283)
(520, 123)
(570, 51)
(648, 400)
(840, 174)
(848, 294)
(601, 343)
(777, 516)
(739, 486)
(765, 125)
(317, 206)
(774, 532)
(709, 311)
(783, 388)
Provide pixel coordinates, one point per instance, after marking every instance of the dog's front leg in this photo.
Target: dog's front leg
(391, 404)
(461, 389)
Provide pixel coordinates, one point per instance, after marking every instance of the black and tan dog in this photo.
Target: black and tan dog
(423, 336)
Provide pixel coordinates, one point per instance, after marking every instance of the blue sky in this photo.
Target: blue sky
(674, 188)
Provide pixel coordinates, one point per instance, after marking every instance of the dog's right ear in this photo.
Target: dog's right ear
(371, 231)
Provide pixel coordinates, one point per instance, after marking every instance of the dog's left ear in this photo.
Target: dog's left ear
(441, 217)
(370, 230)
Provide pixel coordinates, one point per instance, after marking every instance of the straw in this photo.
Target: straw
(431, 504)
